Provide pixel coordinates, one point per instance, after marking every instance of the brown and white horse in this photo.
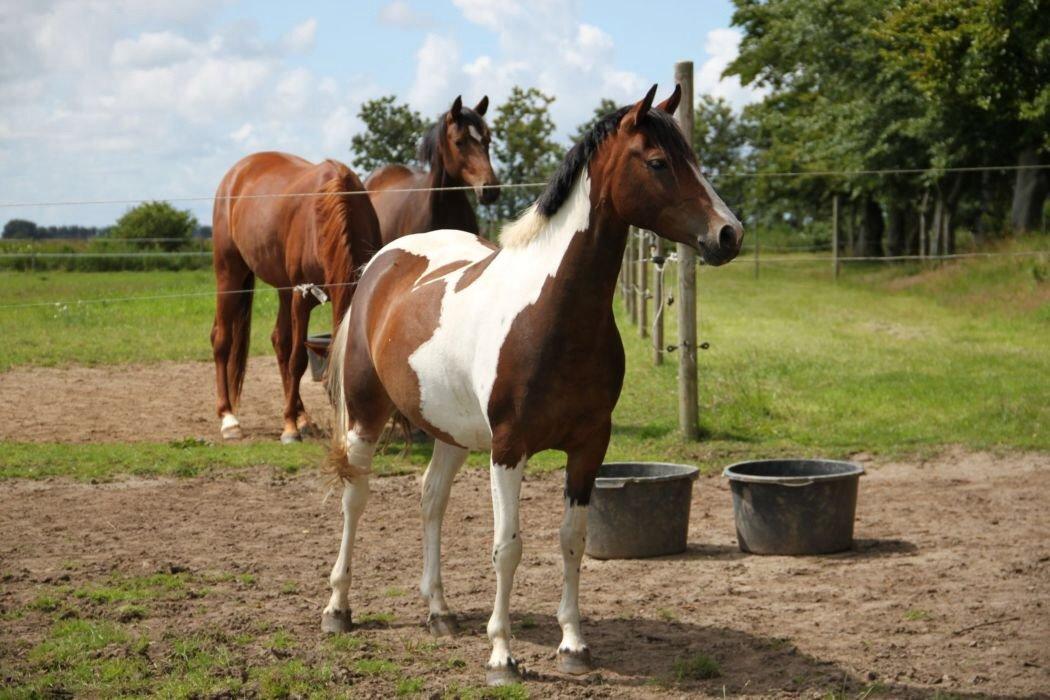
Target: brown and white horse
(514, 350)
(285, 240)
(456, 149)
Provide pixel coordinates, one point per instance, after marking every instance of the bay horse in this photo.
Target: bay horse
(514, 350)
(318, 240)
(456, 150)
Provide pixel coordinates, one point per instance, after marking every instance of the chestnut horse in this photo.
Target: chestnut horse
(318, 239)
(514, 350)
(457, 151)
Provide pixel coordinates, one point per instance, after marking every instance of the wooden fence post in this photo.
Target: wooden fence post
(629, 271)
(688, 402)
(835, 237)
(658, 303)
(643, 296)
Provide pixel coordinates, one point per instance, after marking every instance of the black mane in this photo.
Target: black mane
(430, 146)
(658, 125)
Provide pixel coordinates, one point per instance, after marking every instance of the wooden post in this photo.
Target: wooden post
(629, 276)
(835, 236)
(658, 304)
(688, 402)
(643, 284)
(757, 246)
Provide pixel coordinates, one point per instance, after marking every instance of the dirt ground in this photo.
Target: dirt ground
(114, 403)
(946, 591)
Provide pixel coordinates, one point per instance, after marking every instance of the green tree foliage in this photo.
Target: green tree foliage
(523, 146)
(156, 220)
(392, 134)
(20, 228)
(604, 108)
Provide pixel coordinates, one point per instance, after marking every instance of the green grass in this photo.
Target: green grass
(698, 667)
(890, 360)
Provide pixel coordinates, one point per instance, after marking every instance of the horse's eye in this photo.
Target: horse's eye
(657, 164)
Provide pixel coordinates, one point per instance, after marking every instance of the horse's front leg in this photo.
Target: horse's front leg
(574, 656)
(505, 480)
(295, 417)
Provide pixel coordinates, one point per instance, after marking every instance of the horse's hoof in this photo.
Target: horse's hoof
(290, 438)
(575, 662)
(308, 429)
(232, 432)
(336, 622)
(442, 625)
(503, 675)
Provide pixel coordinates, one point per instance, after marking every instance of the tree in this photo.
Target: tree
(523, 146)
(393, 133)
(20, 228)
(984, 68)
(156, 220)
(604, 109)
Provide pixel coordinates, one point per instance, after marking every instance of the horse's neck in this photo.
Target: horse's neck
(446, 208)
(581, 248)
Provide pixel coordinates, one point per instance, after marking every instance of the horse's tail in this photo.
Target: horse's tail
(241, 332)
(337, 463)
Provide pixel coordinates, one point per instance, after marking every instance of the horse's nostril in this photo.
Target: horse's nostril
(727, 237)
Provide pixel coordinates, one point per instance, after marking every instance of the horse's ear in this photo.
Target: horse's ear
(457, 108)
(671, 103)
(636, 114)
(482, 106)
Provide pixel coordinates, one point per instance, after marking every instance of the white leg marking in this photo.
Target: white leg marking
(506, 554)
(437, 482)
(355, 497)
(229, 421)
(573, 541)
(359, 451)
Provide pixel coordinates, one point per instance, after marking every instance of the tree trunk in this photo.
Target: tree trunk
(869, 240)
(896, 236)
(1030, 191)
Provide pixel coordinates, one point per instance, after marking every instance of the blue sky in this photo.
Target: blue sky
(138, 99)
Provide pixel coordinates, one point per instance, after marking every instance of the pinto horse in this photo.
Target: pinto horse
(261, 228)
(514, 350)
(457, 151)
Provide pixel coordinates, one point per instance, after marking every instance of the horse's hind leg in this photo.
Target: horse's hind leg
(437, 482)
(505, 476)
(367, 409)
(229, 338)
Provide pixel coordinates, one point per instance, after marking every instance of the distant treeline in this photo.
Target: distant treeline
(22, 229)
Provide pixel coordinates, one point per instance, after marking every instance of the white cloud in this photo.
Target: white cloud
(135, 98)
(399, 13)
(301, 37)
(437, 66)
(722, 46)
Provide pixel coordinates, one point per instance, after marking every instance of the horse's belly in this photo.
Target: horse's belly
(448, 401)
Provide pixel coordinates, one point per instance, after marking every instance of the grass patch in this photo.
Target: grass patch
(891, 360)
(375, 667)
(289, 588)
(293, 678)
(698, 667)
(410, 686)
(343, 643)
(916, 615)
(376, 618)
(135, 589)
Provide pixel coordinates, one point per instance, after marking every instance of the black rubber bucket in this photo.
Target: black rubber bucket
(639, 509)
(794, 506)
(317, 352)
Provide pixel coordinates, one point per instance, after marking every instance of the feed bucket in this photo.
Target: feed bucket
(639, 509)
(794, 506)
(317, 351)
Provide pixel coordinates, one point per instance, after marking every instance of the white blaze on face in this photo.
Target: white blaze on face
(456, 367)
(474, 133)
(723, 212)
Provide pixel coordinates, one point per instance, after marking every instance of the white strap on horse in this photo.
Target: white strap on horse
(312, 288)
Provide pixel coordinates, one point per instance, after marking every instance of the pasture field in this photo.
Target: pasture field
(141, 557)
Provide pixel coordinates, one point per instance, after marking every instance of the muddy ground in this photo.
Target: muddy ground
(153, 402)
(946, 591)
